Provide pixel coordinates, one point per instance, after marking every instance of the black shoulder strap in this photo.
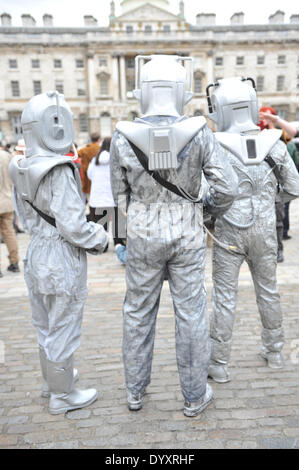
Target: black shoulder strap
(276, 172)
(154, 174)
(44, 216)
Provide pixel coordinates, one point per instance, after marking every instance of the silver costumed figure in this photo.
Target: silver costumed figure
(263, 166)
(165, 228)
(47, 193)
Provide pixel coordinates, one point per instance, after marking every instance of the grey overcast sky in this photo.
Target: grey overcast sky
(70, 12)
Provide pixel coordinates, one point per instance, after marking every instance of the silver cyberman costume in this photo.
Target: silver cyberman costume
(47, 195)
(250, 223)
(164, 229)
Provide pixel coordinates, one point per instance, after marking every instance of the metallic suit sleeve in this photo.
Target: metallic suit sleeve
(219, 173)
(69, 212)
(119, 183)
(289, 179)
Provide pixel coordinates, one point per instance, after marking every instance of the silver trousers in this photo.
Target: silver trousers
(147, 262)
(260, 251)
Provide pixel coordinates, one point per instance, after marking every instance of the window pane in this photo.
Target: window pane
(198, 85)
(280, 83)
(79, 63)
(240, 61)
(35, 63)
(102, 62)
(57, 63)
(281, 59)
(81, 90)
(261, 60)
(15, 88)
(37, 87)
(260, 84)
(104, 86)
(59, 86)
(219, 61)
(13, 64)
(83, 123)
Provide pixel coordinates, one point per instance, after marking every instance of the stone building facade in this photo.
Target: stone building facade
(94, 66)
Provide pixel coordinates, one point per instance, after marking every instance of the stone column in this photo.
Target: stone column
(123, 86)
(91, 82)
(115, 78)
(210, 67)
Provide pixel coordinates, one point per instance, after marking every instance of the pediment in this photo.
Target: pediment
(148, 12)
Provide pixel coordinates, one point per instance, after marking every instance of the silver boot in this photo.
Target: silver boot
(219, 373)
(43, 363)
(135, 401)
(64, 396)
(195, 408)
(274, 359)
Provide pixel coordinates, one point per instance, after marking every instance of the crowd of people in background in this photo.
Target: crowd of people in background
(93, 162)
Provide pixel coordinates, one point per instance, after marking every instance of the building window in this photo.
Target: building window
(280, 83)
(59, 86)
(15, 88)
(130, 84)
(219, 61)
(81, 88)
(57, 64)
(297, 114)
(13, 63)
(240, 60)
(83, 122)
(130, 63)
(260, 83)
(37, 87)
(166, 29)
(17, 126)
(282, 111)
(260, 60)
(129, 29)
(102, 62)
(198, 85)
(148, 29)
(198, 112)
(105, 125)
(281, 59)
(80, 63)
(35, 64)
(104, 89)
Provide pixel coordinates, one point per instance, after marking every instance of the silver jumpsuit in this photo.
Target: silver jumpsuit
(165, 235)
(254, 207)
(55, 265)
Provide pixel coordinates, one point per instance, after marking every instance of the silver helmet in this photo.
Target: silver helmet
(47, 125)
(233, 106)
(161, 84)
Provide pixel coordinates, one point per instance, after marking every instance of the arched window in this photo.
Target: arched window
(197, 84)
(105, 125)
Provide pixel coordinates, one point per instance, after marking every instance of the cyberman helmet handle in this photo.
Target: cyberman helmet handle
(139, 58)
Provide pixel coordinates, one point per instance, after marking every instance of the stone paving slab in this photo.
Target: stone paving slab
(259, 408)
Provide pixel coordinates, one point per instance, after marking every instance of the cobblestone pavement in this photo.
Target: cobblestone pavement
(259, 408)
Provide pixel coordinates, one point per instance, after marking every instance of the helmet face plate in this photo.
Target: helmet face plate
(47, 123)
(235, 106)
